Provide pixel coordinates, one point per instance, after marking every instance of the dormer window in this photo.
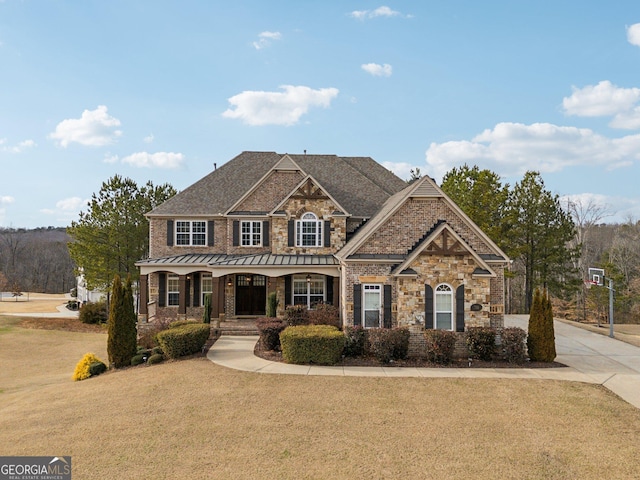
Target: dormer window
(309, 231)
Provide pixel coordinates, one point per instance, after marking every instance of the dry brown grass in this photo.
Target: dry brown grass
(32, 303)
(193, 419)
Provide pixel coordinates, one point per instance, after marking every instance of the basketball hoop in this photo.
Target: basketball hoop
(589, 283)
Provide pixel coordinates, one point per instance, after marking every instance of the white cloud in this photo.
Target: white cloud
(278, 108)
(265, 39)
(401, 169)
(94, 128)
(633, 34)
(6, 200)
(149, 138)
(382, 11)
(19, 148)
(378, 70)
(108, 158)
(158, 159)
(616, 209)
(73, 204)
(513, 148)
(603, 99)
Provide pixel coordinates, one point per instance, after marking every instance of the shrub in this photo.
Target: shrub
(138, 359)
(440, 345)
(121, 327)
(180, 323)
(96, 368)
(513, 345)
(387, 344)
(206, 312)
(83, 367)
(155, 358)
(93, 313)
(270, 329)
(272, 305)
(355, 341)
(325, 314)
(296, 315)
(541, 339)
(184, 339)
(481, 342)
(320, 344)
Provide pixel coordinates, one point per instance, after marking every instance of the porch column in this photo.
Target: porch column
(144, 296)
(182, 295)
(336, 291)
(217, 289)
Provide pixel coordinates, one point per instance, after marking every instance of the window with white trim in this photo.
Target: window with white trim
(443, 307)
(309, 231)
(250, 233)
(206, 286)
(371, 305)
(173, 291)
(191, 233)
(308, 292)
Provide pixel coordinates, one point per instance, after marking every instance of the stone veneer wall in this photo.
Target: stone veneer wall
(412, 221)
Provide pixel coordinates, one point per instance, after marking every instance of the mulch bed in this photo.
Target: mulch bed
(276, 356)
(64, 324)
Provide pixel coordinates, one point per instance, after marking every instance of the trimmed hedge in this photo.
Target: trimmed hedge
(386, 344)
(184, 339)
(180, 323)
(319, 344)
(155, 358)
(481, 342)
(440, 345)
(93, 313)
(269, 329)
(513, 345)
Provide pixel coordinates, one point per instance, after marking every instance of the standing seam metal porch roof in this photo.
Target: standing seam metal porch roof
(265, 259)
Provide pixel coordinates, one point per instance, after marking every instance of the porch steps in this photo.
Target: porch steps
(238, 327)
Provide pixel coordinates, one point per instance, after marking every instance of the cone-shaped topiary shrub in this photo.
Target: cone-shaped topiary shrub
(541, 338)
(121, 327)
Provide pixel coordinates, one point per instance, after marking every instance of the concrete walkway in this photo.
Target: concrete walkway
(590, 358)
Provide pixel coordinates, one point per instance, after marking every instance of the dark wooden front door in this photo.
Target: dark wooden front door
(251, 295)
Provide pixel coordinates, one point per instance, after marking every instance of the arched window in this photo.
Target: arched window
(444, 307)
(309, 231)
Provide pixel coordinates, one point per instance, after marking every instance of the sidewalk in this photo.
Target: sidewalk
(590, 358)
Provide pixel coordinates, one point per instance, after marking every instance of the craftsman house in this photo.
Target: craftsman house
(320, 228)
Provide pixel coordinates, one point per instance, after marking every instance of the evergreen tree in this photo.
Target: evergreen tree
(114, 233)
(539, 233)
(541, 338)
(121, 326)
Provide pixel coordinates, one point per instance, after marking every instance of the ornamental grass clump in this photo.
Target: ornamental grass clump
(88, 366)
(318, 344)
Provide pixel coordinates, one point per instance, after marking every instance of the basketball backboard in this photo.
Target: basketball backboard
(596, 276)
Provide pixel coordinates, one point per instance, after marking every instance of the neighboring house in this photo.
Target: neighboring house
(321, 228)
(86, 295)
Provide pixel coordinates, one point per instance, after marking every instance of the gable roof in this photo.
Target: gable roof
(359, 184)
(309, 180)
(425, 187)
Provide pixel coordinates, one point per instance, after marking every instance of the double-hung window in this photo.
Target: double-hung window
(251, 233)
(309, 231)
(191, 233)
(173, 291)
(308, 291)
(206, 285)
(444, 307)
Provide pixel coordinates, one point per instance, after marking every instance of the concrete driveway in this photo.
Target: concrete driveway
(609, 362)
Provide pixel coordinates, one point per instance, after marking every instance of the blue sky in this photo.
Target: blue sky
(160, 91)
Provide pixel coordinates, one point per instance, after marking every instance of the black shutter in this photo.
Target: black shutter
(328, 294)
(357, 305)
(236, 233)
(387, 306)
(292, 233)
(460, 309)
(287, 290)
(266, 232)
(162, 289)
(210, 234)
(327, 233)
(428, 307)
(196, 289)
(169, 233)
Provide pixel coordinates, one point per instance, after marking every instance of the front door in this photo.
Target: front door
(251, 295)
